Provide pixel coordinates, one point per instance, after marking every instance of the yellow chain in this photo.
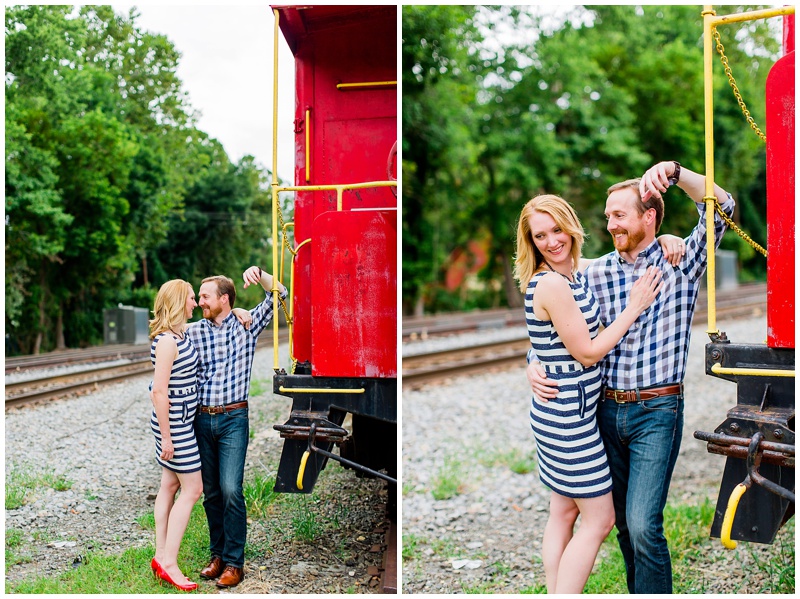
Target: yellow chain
(736, 228)
(285, 246)
(732, 225)
(732, 81)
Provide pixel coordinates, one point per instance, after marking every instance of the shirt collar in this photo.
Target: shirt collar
(645, 254)
(226, 322)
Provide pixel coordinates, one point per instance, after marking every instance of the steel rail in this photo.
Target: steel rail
(42, 391)
(745, 300)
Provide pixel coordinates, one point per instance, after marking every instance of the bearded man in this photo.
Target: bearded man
(640, 415)
(226, 349)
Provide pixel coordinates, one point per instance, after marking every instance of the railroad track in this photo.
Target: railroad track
(744, 300)
(93, 377)
(103, 353)
(60, 385)
(421, 369)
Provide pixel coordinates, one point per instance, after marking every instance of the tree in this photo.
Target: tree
(568, 110)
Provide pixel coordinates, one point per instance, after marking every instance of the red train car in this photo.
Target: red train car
(757, 490)
(344, 287)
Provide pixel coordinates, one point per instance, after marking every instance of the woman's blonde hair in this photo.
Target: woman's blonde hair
(529, 259)
(169, 311)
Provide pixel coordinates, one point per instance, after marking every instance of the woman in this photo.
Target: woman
(563, 324)
(174, 396)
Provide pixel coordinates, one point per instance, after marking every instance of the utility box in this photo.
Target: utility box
(126, 324)
(727, 269)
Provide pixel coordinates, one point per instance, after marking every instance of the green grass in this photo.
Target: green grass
(22, 482)
(519, 462)
(257, 387)
(259, 494)
(15, 549)
(768, 568)
(127, 572)
(447, 482)
(305, 524)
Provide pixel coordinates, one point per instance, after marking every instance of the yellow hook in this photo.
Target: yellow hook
(730, 513)
(302, 470)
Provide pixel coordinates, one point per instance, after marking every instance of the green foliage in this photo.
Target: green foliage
(448, 480)
(570, 110)
(110, 189)
(305, 524)
(23, 481)
(259, 494)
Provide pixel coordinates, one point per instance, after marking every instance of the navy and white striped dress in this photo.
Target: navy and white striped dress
(572, 460)
(182, 393)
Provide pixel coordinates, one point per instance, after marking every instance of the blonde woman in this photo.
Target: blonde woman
(564, 328)
(174, 396)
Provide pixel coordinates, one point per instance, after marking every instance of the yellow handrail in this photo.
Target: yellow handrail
(709, 198)
(283, 389)
(365, 84)
(308, 142)
(751, 16)
(710, 21)
(274, 186)
(720, 369)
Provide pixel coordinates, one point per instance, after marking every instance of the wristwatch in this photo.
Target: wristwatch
(676, 175)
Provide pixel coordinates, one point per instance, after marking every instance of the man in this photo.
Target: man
(226, 351)
(640, 415)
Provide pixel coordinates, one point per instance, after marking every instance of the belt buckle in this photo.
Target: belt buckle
(617, 395)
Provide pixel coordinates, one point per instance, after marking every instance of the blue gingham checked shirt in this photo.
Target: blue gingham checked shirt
(226, 355)
(654, 351)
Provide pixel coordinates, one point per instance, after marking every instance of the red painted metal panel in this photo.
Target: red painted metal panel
(351, 132)
(354, 271)
(780, 203)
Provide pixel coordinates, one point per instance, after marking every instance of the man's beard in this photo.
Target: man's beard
(632, 240)
(211, 314)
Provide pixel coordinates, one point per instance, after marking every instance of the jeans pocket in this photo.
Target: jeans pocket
(665, 403)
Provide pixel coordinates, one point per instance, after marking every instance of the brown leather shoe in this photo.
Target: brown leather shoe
(213, 569)
(230, 577)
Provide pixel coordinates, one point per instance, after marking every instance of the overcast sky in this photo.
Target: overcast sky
(226, 69)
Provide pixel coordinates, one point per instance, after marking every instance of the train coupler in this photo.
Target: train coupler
(326, 434)
(753, 476)
(766, 504)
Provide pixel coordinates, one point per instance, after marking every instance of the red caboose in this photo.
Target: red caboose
(343, 336)
(757, 490)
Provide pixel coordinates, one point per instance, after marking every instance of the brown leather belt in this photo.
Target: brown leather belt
(223, 409)
(640, 394)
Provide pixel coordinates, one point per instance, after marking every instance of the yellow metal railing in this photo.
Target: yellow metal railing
(720, 369)
(345, 86)
(710, 22)
(277, 268)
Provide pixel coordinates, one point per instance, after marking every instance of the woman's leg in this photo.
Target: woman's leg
(163, 506)
(191, 489)
(597, 520)
(557, 534)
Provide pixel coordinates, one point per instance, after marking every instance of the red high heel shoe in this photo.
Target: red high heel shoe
(164, 575)
(156, 567)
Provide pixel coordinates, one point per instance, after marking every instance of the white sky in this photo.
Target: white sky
(226, 69)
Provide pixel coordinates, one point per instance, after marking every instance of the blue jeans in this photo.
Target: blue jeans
(642, 440)
(222, 440)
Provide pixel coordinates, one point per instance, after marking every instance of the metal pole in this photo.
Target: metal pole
(708, 81)
(275, 298)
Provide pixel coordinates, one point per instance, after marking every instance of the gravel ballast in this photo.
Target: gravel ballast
(467, 432)
(101, 443)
